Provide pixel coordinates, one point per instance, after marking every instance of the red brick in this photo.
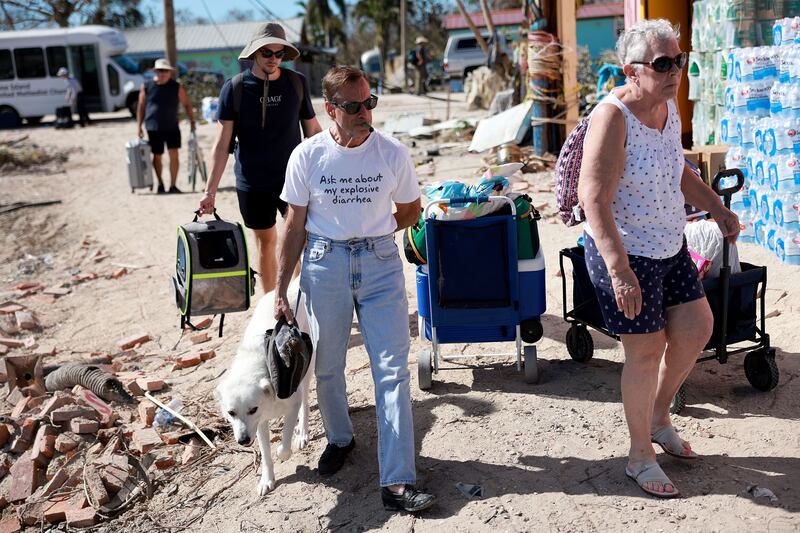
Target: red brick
(113, 459)
(150, 384)
(191, 453)
(129, 342)
(164, 460)
(5, 464)
(43, 445)
(5, 434)
(147, 412)
(197, 338)
(203, 324)
(68, 412)
(26, 320)
(27, 477)
(31, 513)
(91, 399)
(19, 445)
(47, 350)
(205, 355)
(9, 308)
(145, 440)
(114, 477)
(56, 482)
(82, 517)
(97, 491)
(133, 387)
(12, 343)
(10, 524)
(24, 285)
(83, 425)
(119, 273)
(21, 407)
(59, 399)
(62, 504)
(28, 429)
(185, 361)
(67, 442)
(3, 351)
(57, 291)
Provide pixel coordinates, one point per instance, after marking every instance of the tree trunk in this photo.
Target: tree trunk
(478, 36)
(169, 28)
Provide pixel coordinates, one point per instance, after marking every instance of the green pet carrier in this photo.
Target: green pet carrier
(212, 271)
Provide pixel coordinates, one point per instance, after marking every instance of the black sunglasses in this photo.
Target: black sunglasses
(267, 53)
(351, 108)
(664, 63)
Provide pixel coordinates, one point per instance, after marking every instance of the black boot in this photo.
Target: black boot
(412, 500)
(333, 457)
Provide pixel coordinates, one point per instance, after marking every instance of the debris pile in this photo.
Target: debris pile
(21, 154)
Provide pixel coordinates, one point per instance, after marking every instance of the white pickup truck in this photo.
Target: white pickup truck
(463, 54)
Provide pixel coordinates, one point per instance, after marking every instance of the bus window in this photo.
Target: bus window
(126, 63)
(113, 80)
(6, 66)
(56, 58)
(30, 63)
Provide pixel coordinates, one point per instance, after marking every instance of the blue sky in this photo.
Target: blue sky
(281, 9)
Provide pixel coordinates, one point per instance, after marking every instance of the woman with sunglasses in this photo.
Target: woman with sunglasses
(261, 130)
(633, 187)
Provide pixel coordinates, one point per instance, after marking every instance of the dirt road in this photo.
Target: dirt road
(549, 456)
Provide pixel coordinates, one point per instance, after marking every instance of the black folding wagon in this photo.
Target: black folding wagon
(736, 300)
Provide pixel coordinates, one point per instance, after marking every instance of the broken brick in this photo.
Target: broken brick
(129, 342)
(21, 407)
(119, 273)
(25, 285)
(164, 460)
(205, 355)
(203, 324)
(67, 442)
(5, 464)
(86, 396)
(3, 349)
(46, 350)
(5, 434)
(150, 385)
(59, 399)
(31, 513)
(145, 440)
(147, 412)
(68, 412)
(10, 524)
(134, 388)
(83, 425)
(43, 445)
(62, 504)
(19, 445)
(27, 430)
(9, 308)
(114, 477)
(57, 291)
(191, 453)
(12, 343)
(26, 478)
(107, 435)
(81, 517)
(198, 338)
(56, 482)
(26, 320)
(186, 361)
(97, 491)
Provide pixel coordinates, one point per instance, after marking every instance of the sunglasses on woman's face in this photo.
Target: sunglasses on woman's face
(267, 53)
(664, 63)
(351, 108)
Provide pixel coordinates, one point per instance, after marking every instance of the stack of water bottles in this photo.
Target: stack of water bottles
(761, 122)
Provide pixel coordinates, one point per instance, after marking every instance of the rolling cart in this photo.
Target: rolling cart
(474, 289)
(736, 300)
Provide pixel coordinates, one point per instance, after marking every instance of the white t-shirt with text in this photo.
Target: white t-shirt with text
(349, 191)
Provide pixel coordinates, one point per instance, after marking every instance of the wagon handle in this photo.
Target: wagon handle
(727, 192)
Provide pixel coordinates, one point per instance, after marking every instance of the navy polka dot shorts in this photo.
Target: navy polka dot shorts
(664, 282)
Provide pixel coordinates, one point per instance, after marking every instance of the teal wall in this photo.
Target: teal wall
(596, 34)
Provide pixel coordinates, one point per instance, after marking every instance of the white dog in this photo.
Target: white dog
(246, 395)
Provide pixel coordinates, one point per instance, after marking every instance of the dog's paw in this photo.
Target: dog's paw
(284, 451)
(265, 485)
(300, 439)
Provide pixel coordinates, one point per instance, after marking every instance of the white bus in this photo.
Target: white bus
(29, 60)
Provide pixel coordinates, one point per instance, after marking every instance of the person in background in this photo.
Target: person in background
(633, 185)
(421, 65)
(75, 96)
(158, 111)
(274, 108)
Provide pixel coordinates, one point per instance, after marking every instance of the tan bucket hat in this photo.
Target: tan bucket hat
(421, 40)
(269, 33)
(162, 64)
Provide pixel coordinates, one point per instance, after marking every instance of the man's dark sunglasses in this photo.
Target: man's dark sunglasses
(664, 64)
(351, 108)
(267, 53)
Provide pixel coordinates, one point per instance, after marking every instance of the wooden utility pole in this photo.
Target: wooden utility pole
(487, 17)
(169, 28)
(478, 36)
(569, 61)
(403, 43)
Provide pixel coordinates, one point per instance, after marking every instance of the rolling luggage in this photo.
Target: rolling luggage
(64, 117)
(140, 171)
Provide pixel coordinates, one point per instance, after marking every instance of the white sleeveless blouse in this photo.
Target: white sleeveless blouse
(649, 205)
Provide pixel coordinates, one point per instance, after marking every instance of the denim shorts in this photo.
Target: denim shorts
(664, 283)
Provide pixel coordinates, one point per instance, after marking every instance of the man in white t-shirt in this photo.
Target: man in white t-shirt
(340, 186)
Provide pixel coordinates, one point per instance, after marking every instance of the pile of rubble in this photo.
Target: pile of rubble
(76, 457)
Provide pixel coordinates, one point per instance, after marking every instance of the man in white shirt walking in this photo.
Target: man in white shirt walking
(340, 187)
(75, 96)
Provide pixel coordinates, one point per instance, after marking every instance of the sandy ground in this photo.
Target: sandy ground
(549, 456)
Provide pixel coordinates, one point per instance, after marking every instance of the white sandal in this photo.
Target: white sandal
(652, 473)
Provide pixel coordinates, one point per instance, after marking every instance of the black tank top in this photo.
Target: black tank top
(161, 105)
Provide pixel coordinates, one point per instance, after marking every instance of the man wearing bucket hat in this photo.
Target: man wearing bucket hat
(75, 96)
(158, 111)
(421, 65)
(261, 113)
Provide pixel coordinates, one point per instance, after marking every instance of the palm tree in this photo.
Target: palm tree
(383, 15)
(321, 27)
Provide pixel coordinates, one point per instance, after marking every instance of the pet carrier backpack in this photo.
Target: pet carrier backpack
(212, 272)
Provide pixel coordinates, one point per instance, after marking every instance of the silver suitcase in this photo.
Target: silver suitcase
(140, 171)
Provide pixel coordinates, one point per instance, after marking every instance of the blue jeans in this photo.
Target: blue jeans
(366, 275)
